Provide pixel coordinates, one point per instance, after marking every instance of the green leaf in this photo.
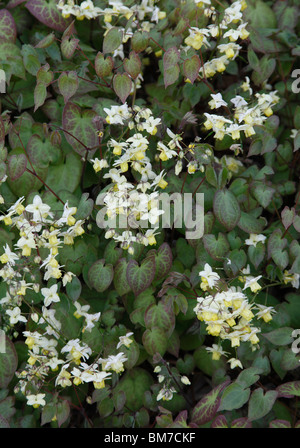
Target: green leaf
(16, 166)
(161, 316)
(81, 131)
(112, 40)
(216, 247)
(263, 194)
(207, 407)
(112, 252)
(280, 336)
(68, 47)
(120, 277)
(276, 245)
(122, 86)
(191, 68)
(226, 208)
(163, 260)
(44, 75)
(134, 384)
(46, 41)
(62, 412)
(85, 207)
(40, 95)
(155, 341)
(65, 176)
(68, 84)
(139, 41)
(211, 176)
(41, 152)
(140, 277)
(171, 67)
(256, 254)
(100, 275)
(234, 397)
(132, 65)
(103, 66)
(260, 404)
(30, 59)
(8, 363)
(250, 224)
(249, 376)
(260, 15)
(74, 288)
(238, 259)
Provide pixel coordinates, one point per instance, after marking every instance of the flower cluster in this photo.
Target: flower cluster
(227, 313)
(136, 204)
(39, 232)
(166, 379)
(243, 117)
(88, 10)
(227, 28)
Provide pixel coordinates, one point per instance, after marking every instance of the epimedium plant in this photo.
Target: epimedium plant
(108, 104)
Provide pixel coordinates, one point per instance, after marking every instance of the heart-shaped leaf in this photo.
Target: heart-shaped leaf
(132, 65)
(100, 275)
(122, 86)
(68, 84)
(79, 123)
(112, 40)
(140, 277)
(103, 66)
(16, 166)
(191, 68)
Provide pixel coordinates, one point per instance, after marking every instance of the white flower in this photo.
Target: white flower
(125, 340)
(36, 400)
(208, 277)
(166, 394)
(39, 210)
(15, 316)
(252, 283)
(8, 256)
(217, 101)
(254, 239)
(50, 295)
(114, 362)
(235, 363)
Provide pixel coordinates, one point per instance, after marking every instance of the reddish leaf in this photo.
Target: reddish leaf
(289, 390)
(191, 68)
(132, 65)
(8, 30)
(242, 422)
(140, 277)
(16, 166)
(207, 407)
(220, 422)
(79, 123)
(47, 13)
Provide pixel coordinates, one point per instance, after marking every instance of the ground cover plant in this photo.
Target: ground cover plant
(112, 313)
